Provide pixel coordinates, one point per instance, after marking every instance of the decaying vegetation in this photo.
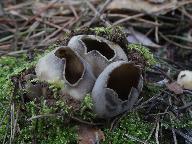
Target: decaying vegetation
(34, 111)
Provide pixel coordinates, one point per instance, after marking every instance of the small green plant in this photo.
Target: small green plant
(87, 102)
(86, 107)
(99, 30)
(148, 56)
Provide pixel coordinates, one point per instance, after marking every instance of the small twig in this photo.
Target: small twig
(12, 121)
(157, 114)
(173, 131)
(174, 136)
(18, 6)
(164, 73)
(151, 133)
(156, 32)
(99, 13)
(183, 10)
(42, 116)
(184, 102)
(73, 10)
(125, 16)
(149, 100)
(157, 132)
(55, 32)
(183, 135)
(174, 43)
(4, 116)
(128, 18)
(15, 123)
(187, 91)
(85, 122)
(51, 24)
(6, 132)
(135, 139)
(186, 106)
(62, 114)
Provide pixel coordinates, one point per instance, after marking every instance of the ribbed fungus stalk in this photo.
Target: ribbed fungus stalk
(122, 79)
(101, 47)
(74, 68)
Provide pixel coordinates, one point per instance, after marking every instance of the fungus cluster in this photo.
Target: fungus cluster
(92, 64)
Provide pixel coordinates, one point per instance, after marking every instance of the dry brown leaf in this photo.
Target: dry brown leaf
(137, 37)
(175, 87)
(143, 6)
(89, 135)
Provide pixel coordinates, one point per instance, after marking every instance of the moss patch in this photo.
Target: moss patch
(9, 66)
(144, 52)
(130, 128)
(49, 128)
(54, 124)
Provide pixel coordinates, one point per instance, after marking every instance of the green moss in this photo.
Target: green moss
(148, 56)
(12, 66)
(102, 30)
(67, 135)
(86, 112)
(130, 126)
(184, 122)
(150, 90)
(47, 129)
(57, 128)
(111, 33)
(9, 66)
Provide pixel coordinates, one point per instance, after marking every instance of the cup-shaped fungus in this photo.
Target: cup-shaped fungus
(117, 89)
(97, 51)
(77, 73)
(49, 68)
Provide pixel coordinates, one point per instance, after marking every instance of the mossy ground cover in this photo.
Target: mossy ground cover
(48, 129)
(9, 66)
(55, 128)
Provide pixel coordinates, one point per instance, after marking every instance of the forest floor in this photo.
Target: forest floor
(156, 34)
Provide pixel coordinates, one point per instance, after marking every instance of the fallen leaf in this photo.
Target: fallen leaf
(158, 7)
(137, 37)
(175, 87)
(89, 135)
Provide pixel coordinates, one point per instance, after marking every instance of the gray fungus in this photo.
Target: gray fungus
(77, 73)
(97, 51)
(116, 89)
(92, 64)
(49, 68)
(64, 65)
